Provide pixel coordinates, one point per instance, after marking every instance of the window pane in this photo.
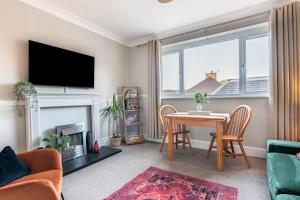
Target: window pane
(170, 74)
(212, 68)
(257, 65)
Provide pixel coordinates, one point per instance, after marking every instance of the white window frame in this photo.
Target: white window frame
(242, 36)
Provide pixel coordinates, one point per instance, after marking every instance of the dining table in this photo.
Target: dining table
(213, 120)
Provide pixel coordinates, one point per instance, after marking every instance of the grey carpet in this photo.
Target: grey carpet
(103, 178)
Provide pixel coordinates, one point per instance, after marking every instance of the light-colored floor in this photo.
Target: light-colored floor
(101, 179)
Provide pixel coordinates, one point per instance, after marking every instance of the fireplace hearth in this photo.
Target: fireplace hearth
(75, 155)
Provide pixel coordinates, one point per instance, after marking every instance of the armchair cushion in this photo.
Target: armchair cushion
(281, 146)
(10, 167)
(54, 176)
(283, 174)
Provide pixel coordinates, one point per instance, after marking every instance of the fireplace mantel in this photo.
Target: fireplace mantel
(32, 109)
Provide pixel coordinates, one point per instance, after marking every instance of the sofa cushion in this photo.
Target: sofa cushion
(287, 197)
(10, 167)
(54, 176)
(283, 174)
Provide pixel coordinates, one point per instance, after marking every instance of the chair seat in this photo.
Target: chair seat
(227, 137)
(178, 132)
(231, 137)
(52, 175)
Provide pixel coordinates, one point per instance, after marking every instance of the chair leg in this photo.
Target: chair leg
(210, 146)
(232, 148)
(183, 140)
(189, 142)
(244, 154)
(163, 142)
(176, 141)
(62, 196)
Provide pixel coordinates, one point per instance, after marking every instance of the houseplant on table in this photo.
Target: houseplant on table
(114, 111)
(201, 98)
(24, 89)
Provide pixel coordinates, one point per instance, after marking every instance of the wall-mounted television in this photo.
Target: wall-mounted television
(53, 66)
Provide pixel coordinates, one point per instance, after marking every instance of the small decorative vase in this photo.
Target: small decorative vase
(96, 148)
(199, 107)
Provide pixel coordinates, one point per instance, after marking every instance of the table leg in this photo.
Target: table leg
(170, 140)
(219, 132)
(183, 136)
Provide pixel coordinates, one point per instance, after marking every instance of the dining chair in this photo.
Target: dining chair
(178, 129)
(234, 132)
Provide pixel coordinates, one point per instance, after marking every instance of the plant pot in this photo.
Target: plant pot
(115, 141)
(199, 107)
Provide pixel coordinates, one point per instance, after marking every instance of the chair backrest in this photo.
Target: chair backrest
(166, 110)
(239, 120)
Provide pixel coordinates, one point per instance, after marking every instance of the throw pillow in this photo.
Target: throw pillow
(10, 167)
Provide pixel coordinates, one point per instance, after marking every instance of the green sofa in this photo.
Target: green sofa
(283, 169)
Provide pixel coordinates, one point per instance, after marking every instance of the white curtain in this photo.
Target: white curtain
(285, 98)
(153, 88)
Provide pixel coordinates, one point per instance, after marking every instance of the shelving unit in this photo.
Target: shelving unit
(131, 117)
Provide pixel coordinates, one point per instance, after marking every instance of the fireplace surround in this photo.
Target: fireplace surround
(83, 158)
(45, 101)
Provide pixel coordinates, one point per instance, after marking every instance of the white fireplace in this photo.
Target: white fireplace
(37, 114)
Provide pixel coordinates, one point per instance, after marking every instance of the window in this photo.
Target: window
(170, 74)
(257, 65)
(207, 67)
(233, 64)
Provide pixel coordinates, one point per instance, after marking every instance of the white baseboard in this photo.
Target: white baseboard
(105, 141)
(200, 144)
(251, 151)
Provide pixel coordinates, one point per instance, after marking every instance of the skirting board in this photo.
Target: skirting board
(105, 141)
(200, 144)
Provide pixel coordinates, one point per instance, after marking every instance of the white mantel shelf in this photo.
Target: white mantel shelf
(33, 133)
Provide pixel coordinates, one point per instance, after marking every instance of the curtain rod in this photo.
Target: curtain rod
(204, 29)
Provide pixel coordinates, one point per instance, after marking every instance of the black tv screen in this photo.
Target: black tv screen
(54, 66)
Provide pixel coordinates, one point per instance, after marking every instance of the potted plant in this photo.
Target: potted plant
(201, 98)
(114, 111)
(24, 89)
(52, 138)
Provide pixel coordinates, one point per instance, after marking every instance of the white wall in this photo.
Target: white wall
(137, 72)
(19, 23)
(256, 133)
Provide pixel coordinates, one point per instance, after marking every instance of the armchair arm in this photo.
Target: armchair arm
(30, 190)
(41, 160)
(281, 146)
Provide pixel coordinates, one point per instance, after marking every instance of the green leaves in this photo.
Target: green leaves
(22, 89)
(52, 138)
(113, 110)
(202, 97)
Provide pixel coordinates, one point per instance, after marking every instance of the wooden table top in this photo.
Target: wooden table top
(197, 117)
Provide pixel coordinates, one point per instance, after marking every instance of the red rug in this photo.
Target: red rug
(158, 184)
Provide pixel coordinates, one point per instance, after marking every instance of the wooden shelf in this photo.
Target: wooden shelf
(132, 110)
(137, 97)
(134, 124)
(131, 107)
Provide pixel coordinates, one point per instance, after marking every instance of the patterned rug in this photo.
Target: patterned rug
(158, 184)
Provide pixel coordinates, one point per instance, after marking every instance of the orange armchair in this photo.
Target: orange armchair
(44, 181)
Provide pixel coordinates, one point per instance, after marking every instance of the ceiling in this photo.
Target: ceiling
(131, 20)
